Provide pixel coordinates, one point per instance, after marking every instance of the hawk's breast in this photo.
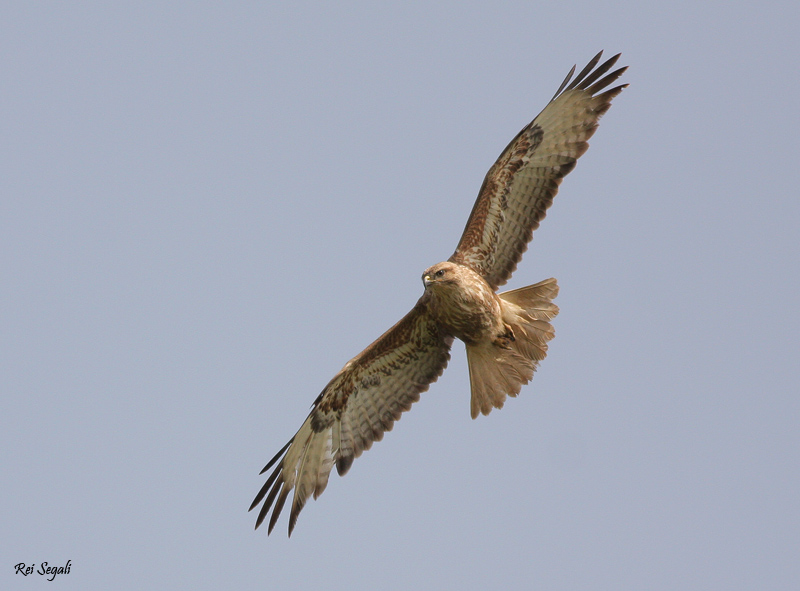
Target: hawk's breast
(466, 306)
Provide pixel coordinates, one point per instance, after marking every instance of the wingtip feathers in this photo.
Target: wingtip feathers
(587, 79)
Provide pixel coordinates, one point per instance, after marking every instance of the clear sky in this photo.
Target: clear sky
(206, 209)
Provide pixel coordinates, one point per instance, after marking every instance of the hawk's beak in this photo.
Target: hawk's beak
(426, 280)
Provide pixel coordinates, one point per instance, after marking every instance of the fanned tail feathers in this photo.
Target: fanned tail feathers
(495, 371)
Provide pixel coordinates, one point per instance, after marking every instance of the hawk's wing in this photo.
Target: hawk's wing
(520, 186)
(358, 405)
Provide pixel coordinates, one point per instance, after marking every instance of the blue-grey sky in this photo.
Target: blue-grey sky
(207, 208)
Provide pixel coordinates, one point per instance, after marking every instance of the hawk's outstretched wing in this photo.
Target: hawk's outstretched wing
(520, 186)
(358, 405)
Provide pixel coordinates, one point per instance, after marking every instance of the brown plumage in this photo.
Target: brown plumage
(505, 334)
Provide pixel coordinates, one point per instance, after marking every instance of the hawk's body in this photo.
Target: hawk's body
(505, 334)
(462, 303)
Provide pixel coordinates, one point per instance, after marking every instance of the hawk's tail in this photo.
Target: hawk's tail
(501, 367)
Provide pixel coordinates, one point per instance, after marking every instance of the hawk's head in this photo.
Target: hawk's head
(440, 274)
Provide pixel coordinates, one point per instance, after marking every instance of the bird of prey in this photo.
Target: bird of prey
(505, 334)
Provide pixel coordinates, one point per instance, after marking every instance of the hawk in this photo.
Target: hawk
(505, 334)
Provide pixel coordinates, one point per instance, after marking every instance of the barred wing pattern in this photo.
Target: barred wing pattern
(521, 185)
(358, 405)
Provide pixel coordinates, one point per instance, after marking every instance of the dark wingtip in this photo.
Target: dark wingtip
(604, 82)
(589, 78)
(276, 512)
(588, 68)
(276, 457)
(265, 488)
(564, 83)
(278, 484)
(270, 486)
(260, 519)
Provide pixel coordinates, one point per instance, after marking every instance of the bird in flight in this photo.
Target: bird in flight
(505, 334)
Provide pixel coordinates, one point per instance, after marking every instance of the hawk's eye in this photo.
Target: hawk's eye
(439, 273)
